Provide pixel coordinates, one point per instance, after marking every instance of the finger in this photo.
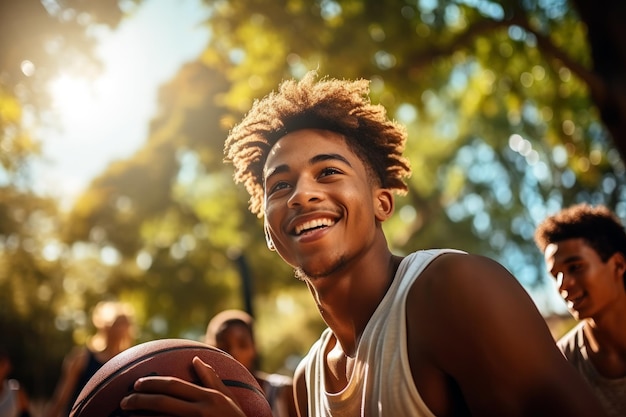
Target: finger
(176, 397)
(170, 386)
(154, 403)
(181, 388)
(163, 404)
(162, 394)
(212, 404)
(208, 376)
(210, 379)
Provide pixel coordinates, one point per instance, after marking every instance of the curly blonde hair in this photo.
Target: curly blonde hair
(341, 106)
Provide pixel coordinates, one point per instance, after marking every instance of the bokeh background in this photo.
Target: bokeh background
(113, 116)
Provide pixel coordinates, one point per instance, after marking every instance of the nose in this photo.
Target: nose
(563, 283)
(305, 191)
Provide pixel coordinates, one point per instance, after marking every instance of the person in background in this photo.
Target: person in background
(13, 399)
(585, 252)
(435, 332)
(113, 321)
(233, 332)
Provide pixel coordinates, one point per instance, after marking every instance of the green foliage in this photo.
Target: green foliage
(498, 99)
(501, 131)
(39, 304)
(31, 275)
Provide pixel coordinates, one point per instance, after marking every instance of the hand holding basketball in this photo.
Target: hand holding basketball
(176, 377)
(184, 398)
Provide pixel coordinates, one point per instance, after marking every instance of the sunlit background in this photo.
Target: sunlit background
(101, 117)
(104, 117)
(113, 118)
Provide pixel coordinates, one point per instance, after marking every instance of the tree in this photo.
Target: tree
(174, 217)
(605, 80)
(37, 305)
(498, 98)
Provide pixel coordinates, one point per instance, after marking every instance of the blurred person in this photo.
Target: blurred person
(13, 399)
(585, 252)
(435, 332)
(114, 333)
(233, 332)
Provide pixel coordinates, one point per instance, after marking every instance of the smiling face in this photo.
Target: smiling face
(322, 209)
(588, 285)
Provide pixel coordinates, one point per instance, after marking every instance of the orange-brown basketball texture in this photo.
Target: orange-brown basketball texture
(102, 394)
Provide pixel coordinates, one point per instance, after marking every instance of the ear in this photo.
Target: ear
(383, 204)
(268, 238)
(620, 264)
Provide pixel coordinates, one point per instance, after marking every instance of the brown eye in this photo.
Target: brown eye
(280, 185)
(330, 171)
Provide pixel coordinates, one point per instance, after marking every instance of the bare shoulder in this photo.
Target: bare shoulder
(457, 289)
(471, 320)
(453, 281)
(466, 295)
(453, 266)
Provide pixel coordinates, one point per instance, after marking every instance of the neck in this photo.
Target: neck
(348, 300)
(606, 331)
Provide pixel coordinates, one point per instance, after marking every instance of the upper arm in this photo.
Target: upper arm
(482, 329)
(299, 389)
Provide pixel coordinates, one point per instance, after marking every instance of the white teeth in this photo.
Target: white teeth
(572, 301)
(313, 224)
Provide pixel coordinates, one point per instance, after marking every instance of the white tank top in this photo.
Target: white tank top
(381, 383)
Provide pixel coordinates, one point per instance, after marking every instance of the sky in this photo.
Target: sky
(107, 118)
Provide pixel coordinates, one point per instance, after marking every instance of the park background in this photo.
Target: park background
(113, 116)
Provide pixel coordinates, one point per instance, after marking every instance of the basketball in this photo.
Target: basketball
(102, 394)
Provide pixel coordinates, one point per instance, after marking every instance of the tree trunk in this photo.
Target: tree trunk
(607, 38)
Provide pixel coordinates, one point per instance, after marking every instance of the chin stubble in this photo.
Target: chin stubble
(301, 275)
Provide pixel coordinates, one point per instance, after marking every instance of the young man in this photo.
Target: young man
(585, 253)
(437, 332)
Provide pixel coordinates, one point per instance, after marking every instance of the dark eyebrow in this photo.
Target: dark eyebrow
(329, 157)
(573, 258)
(565, 262)
(317, 158)
(276, 170)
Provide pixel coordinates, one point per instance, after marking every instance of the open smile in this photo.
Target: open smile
(312, 225)
(574, 302)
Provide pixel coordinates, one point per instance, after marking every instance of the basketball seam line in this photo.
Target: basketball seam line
(240, 384)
